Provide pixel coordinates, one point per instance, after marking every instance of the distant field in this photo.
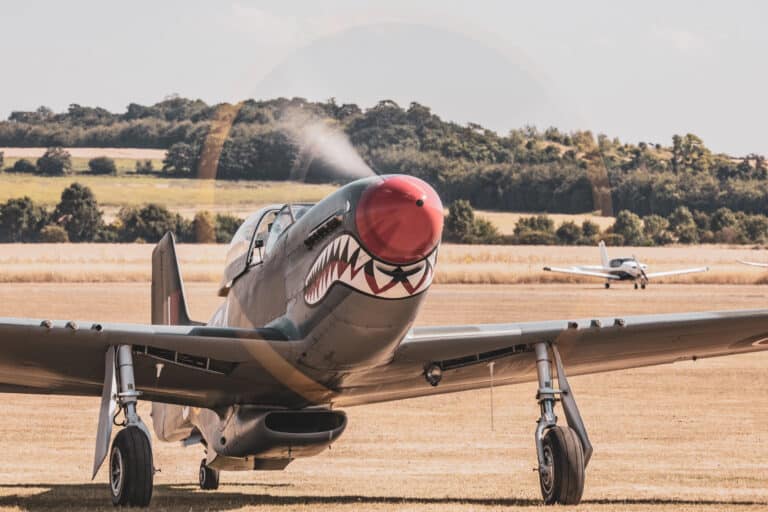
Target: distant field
(506, 221)
(87, 153)
(456, 263)
(173, 193)
(125, 158)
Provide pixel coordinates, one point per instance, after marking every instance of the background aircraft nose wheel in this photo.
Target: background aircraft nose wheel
(562, 478)
(607, 285)
(209, 477)
(130, 468)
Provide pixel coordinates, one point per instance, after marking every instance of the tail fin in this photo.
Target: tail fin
(169, 305)
(604, 255)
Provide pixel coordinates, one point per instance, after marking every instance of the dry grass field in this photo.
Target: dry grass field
(88, 153)
(684, 437)
(456, 263)
(506, 221)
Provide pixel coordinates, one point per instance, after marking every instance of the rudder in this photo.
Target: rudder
(169, 304)
(604, 255)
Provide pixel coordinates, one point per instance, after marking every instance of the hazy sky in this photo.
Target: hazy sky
(640, 71)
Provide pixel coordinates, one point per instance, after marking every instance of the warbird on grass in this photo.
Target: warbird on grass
(621, 269)
(317, 314)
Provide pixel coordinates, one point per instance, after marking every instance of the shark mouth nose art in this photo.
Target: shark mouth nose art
(345, 261)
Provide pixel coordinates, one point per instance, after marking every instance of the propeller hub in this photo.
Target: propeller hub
(399, 219)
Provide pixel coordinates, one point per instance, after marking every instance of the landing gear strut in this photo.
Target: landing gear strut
(563, 452)
(130, 460)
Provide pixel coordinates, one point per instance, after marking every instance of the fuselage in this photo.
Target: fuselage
(626, 269)
(323, 283)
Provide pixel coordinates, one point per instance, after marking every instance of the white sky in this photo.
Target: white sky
(641, 71)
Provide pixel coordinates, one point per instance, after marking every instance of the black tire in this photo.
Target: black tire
(635, 286)
(209, 477)
(565, 456)
(130, 468)
(642, 286)
(607, 285)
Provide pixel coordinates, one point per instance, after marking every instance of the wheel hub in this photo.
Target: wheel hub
(116, 471)
(546, 473)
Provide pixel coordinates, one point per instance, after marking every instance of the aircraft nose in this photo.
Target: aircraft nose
(399, 219)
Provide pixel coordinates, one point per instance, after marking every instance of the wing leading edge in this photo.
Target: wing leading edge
(581, 272)
(465, 353)
(680, 272)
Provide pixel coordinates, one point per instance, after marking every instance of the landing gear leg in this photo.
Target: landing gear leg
(130, 461)
(562, 452)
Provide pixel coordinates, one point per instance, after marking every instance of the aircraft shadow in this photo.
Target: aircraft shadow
(184, 497)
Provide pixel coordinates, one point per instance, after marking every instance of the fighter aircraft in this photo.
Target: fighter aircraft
(317, 314)
(620, 269)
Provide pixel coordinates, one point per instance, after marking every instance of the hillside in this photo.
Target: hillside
(524, 170)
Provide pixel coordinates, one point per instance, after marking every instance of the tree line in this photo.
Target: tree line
(526, 169)
(681, 226)
(77, 218)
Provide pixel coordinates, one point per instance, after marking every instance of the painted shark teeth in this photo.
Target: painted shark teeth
(343, 260)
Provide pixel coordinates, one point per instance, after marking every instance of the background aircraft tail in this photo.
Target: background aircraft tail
(169, 304)
(603, 254)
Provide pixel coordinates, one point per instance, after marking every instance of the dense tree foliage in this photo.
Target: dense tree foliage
(150, 223)
(523, 170)
(102, 165)
(55, 162)
(78, 213)
(21, 220)
(23, 165)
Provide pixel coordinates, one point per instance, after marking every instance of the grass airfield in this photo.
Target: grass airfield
(688, 436)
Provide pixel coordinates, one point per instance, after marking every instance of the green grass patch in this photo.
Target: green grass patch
(134, 190)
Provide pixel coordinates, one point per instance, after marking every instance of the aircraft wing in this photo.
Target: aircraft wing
(652, 275)
(581, 272)
(752, 263)
(472, 356)
(202, 366)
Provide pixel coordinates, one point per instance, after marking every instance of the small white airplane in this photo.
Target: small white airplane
(621, 269)
(753, 264)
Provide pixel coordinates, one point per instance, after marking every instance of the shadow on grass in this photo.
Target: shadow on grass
(187, 497)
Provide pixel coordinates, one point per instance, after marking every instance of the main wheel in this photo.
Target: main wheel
(562, 482)
(642, 286)
(607, 285)
(209, 477)
(635, 286)
(130, 468)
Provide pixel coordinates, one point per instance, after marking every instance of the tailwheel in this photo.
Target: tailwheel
(562, 477)
(130, 468)
(209, 477)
